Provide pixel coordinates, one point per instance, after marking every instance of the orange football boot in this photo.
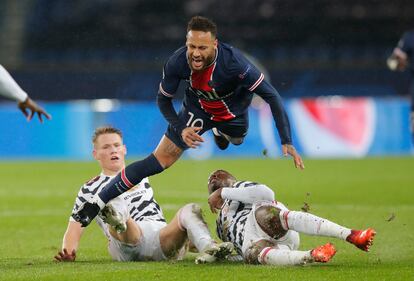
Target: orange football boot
(323, 253)
(362, 239)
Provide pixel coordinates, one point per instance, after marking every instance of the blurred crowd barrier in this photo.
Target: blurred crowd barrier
(325, 127)
(142, 85)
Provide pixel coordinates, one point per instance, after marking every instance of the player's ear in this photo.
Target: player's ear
(125, 149)
(95, 154)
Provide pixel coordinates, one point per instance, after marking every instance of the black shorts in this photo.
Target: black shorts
(195, 117)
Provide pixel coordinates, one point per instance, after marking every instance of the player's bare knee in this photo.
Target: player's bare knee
(252, 253)
(196, 210)
(269, 221)
(189, 213)
(192, 207)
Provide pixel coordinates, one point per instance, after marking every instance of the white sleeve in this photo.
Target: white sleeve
(248, 194)
(9, 87)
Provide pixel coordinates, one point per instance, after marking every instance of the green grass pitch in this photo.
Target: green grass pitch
(36, 199)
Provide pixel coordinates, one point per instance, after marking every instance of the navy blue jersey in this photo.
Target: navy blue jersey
(406, 44)
(224, 90)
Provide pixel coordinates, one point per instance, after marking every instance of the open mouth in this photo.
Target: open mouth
(114, 158)
(197, 63)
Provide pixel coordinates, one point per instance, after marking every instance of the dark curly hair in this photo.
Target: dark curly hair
(199, 23)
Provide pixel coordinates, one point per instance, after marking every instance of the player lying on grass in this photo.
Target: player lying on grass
(134, 223)
(264, 231)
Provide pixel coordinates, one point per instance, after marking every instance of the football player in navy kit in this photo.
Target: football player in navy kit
(402, 58)
(221, 86)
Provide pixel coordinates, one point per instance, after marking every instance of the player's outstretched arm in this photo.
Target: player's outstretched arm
(270, 95)
(249, 195)
(30, 107)
(10, 89)
(70, 243)
(288, 149)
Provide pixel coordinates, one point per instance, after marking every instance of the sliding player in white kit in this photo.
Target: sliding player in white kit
(11, 90)
(264, 231)
(133, 222)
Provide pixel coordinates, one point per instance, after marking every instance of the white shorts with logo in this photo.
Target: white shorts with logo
(253, 232)
(147, 249)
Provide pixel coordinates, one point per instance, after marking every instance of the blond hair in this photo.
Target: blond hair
(105, 130)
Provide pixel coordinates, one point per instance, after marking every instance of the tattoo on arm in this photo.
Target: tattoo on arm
(173, 150)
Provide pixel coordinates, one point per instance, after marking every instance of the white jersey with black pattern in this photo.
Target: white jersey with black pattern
(232, 219)
(140, 200)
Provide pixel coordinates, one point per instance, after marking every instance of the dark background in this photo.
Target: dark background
(60, 49)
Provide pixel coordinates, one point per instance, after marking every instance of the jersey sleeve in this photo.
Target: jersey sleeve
(87, 191)
(84, 194)
(9, 88)
(171, 75)
(248, 75)
(248, 192)
(406, 43)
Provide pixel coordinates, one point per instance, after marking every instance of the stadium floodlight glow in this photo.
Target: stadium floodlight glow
(104, 105)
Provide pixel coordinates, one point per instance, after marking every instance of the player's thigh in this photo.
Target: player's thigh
(236, 128)
(253, 231)
(172, 238)
(191, 117)
(268, 219)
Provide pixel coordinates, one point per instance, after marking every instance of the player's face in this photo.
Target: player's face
(219, 179)
(201, 49)
(110, 151)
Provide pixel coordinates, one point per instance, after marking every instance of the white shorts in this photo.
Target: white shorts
(147, 249)
(253, 232)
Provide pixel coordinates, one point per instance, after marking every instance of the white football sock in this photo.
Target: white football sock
(284, 257)
(312, 225)
(191, 220)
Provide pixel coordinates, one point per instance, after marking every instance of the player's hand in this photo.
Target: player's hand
(400, 59)
(64, 256)
(288, 149)
(215, 201)
(191, 137)
(29, 108)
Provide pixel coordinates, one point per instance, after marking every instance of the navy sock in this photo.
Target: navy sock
(130, 176)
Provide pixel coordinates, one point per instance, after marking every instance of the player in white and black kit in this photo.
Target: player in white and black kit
(264, 231)
(133, 222)
(11, 90)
